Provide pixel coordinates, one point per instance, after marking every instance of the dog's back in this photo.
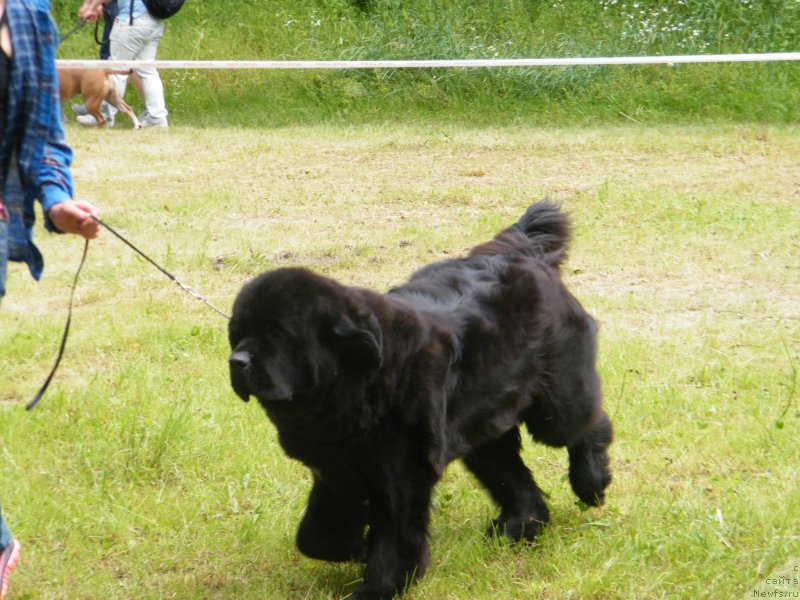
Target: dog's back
(450, 286)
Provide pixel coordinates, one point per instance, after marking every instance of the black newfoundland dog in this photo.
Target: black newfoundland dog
(376, 394)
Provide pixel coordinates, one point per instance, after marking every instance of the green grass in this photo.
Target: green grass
(391, 29)
(141, 475)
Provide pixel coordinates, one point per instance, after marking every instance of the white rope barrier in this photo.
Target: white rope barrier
(427, 64)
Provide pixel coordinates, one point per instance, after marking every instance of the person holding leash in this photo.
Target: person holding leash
(34, 162)
(110, 13)
(134, 36)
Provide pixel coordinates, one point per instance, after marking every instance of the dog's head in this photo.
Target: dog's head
(293, 333)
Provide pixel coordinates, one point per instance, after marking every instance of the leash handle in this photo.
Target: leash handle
(43, 389)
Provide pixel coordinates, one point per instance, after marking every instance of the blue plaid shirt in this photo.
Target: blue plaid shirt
(34, 156)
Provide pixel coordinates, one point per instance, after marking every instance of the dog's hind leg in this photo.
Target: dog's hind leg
(499, 467)
(333, 527)
(93, 108)
(115, 100)
(589, 473)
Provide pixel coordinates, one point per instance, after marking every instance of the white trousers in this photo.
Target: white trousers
(140, 42)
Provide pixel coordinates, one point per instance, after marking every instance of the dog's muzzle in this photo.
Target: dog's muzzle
(239, 362)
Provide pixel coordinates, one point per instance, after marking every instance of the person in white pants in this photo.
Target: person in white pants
(135, 36)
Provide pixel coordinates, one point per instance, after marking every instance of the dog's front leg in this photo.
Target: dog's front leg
(333, 526)
(397, 553)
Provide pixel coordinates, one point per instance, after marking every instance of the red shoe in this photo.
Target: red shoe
(8, 560)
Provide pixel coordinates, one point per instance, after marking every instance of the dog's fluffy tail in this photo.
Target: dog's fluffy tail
(548, 229)
(543, 231)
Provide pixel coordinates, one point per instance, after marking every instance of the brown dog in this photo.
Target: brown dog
(94, 86)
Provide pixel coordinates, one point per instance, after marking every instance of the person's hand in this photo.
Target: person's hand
(75, 217)
(91, 10)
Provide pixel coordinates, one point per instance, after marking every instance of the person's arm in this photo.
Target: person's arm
(53, 178)
(54, 182)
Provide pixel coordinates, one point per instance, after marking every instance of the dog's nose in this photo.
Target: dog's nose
(239, 360)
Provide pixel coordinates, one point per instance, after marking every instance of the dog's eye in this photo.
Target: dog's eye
(273, 333)
(276, 336)
(235, 335)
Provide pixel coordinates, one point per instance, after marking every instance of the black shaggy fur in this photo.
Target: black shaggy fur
(376, 394)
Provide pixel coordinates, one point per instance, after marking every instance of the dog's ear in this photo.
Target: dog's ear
(362, 340)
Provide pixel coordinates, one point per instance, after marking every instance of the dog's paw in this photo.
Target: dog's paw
(518, 529)
(367, 594)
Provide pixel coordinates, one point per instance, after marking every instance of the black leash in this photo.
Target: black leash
(97, 39)
(47, 381)
(184, 287)
(80, 25)
(71, 31)
(172, 277)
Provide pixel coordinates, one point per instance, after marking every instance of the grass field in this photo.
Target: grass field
(141, 475)
(447, 29)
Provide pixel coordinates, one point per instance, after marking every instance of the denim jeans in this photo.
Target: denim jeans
(110, 12)
(3, 263)
(5, 534)
(140, 42)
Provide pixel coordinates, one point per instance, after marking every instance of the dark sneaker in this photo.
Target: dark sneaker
(8, 560)
(80, 109)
